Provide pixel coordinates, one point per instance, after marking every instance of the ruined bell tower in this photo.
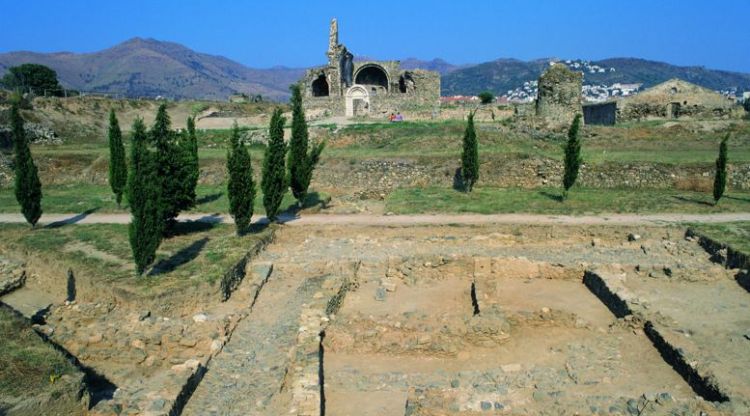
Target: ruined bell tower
(335, 52)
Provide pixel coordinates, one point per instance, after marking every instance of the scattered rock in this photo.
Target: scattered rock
(143, 315)
(511, 368)
(95, 339)
(188, 342)
(200, 317)
(634, 237)
(389, 285)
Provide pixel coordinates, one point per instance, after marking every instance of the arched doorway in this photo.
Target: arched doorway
(372, 77)
(320, 86)
(357, 101)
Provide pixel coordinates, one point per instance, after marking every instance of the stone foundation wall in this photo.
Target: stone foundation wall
(381, 176)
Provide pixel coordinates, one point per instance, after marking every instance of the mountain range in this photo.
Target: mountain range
(149, 68)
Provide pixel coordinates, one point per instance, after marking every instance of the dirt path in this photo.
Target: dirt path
(422, 219)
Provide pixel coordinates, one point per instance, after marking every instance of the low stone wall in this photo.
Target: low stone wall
(625, 304)
(379, 176)
(721, 253)
(233, 277)
(384, 174)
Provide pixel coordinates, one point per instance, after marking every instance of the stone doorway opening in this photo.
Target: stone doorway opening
(357, 101)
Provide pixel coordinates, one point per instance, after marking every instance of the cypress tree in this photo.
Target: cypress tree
(144, 191)
(28, 188)
(240, 187)
(470, 156)
(174, 166)
(720, 179)
(193, 168)
(273, 182)
(118, 170)
(301, 163)
(572, 156)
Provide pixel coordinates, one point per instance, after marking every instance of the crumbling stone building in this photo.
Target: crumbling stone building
(674, 99)
(368, 88)
(559, 96)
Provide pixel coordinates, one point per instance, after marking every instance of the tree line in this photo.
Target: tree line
(161, 177)
(164, 174)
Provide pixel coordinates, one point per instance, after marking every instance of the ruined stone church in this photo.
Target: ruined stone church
(345, 87)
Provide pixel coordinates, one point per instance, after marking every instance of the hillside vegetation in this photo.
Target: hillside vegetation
(506, 74)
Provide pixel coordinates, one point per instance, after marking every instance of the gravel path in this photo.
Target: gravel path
(421, 219)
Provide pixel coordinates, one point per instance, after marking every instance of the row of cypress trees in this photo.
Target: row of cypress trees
(284, 167)
(572, 160)
(161, 182)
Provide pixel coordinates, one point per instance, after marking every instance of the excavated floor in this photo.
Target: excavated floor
(536, 344)
(407, 340)
(441, 320)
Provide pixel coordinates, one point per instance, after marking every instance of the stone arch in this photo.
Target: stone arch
(319, 86)
(357, 101)
(374, 76)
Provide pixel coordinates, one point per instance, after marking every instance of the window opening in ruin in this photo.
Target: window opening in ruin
(372, 76)
(673, 110)
(405, 83)
(320, 86)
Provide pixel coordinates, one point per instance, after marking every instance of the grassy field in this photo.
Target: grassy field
(197, 253)
(484, 200)
(27, 364)
(77, 198)
(682, 143)
(735, 234)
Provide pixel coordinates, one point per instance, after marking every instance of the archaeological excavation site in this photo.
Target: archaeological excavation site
(414, 320)
(435, 209)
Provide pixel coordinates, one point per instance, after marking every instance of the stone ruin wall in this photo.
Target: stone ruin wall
(676, 99)
(559, 97)
(390, 89)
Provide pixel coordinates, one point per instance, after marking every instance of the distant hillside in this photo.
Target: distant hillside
(437, 65)
(150, 68)
(506, 74)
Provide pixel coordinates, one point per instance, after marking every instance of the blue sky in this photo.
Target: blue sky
(714, 33)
